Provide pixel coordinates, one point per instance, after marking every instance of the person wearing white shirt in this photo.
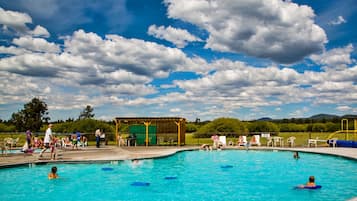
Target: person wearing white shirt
(47, 140)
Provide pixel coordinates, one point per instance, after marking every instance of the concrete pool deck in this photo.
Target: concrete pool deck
(113, 153)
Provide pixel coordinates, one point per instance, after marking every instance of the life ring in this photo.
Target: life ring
(138, 183)
(312, 187)
(107, 169)
(226, 166)
(309, 187)
(170, 178)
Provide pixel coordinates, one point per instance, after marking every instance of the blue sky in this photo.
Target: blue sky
(204, 59)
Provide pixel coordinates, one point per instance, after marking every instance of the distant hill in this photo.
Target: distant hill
(349, 116)
(317, 117)
(265, 119)
(324, 116)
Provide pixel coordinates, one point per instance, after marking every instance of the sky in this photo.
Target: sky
(205, 59)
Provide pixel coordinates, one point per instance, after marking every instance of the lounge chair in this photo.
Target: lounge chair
(255, 140)
(11, 142)
(66, 142)
(269, 141)
(314, 141)
(4, 148)
(291, 141)
(222, 140)
(242, 140)
(333, 142)
(278, 141)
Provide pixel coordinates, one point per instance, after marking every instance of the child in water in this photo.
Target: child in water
(53, 174)
(296, 155)
(310, 183)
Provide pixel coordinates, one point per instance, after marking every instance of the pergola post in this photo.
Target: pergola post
(147, 123)
(178, 123)
(117, 126)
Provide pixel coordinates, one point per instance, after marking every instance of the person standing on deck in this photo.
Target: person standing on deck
(47, 140)
(97, 137)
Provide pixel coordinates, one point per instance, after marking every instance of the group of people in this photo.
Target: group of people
(35, 142)
(74, 140)
(32, 142)
(50, 142)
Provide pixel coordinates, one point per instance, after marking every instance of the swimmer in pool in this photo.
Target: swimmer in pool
(296, 155)
(310, 183)
(53, 174)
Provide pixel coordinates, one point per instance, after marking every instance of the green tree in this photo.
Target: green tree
(32, 116)
(222, 126)
(86, 113)
(191, 127)
(318, 127)
(263, 126)
(332, 127)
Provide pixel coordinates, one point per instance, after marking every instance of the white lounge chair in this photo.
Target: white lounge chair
(291, 141)
(278, 141)
(11, 142)
(4, 148)
(269, 141)
(223, 140)
(333, 141)
(314, 141)
(242, 140)
(255, 140)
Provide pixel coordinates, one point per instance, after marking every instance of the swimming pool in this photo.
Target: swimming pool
(190, 175)
(19, 151)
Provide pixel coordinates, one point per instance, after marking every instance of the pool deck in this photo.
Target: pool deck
(113, 153)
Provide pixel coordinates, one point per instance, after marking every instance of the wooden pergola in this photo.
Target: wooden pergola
(171, 129)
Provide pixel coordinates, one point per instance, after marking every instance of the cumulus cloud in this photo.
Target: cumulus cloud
(40, 31)
(337, 58)
(36, 44)
(338, 21)
(14, 21)
(116, 52)
(88, 69)
(179, 37)
(113, 66)
(278, 30)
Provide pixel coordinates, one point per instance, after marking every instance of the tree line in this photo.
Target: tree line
(232, 126)
(34, 116)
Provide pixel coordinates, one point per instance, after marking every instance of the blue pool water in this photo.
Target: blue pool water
(19, 151)
(192, 175)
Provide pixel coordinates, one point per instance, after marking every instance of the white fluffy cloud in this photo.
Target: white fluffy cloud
(40, 31)
(17, 22)
(113, 66)
(337, 58)
(116, 52)
(111, 70)
(179, 37)
(14, 20)
(36, 45)
(278, 30)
